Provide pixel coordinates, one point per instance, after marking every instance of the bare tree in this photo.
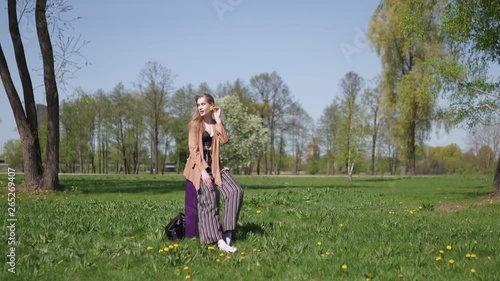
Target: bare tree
(156, 81)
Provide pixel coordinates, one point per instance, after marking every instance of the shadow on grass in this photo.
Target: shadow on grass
(130, 186)
(245, 230)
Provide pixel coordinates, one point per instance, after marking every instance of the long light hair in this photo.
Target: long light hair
(197, 119)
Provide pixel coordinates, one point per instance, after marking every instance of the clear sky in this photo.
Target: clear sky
(310, 44)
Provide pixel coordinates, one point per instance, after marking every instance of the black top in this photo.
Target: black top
(207, 149)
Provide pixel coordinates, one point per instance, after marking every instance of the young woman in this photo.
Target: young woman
(205, 171)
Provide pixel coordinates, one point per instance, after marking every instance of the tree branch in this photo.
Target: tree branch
(468, 85)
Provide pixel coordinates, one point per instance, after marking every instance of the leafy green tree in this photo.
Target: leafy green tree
(444, 160)
(78, 126)
(472, 31)
(240, 89)
(405, 35)
(371, 101)
(352, 134)
(299, 127)
(327, 131)
(246, 135)
(181, 107)
(272, 98)
(485, 159)
(155, 84)
(119, 125)
(103, 124)
(136, 133)
(13, 154)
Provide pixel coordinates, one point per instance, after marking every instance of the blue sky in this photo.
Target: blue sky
(310, 44)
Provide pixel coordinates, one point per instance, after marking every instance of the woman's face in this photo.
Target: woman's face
(203, 107)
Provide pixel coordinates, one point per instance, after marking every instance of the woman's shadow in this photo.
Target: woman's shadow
(245, 230)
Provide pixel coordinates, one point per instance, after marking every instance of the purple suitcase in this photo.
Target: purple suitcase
(190, 211)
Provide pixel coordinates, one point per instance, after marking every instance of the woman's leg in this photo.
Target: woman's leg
(208, 214)
(232, 195)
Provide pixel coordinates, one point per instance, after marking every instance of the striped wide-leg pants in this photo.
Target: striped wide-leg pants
(209, 227)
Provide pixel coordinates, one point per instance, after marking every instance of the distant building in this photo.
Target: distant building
(312, 149)
(2, 161)
(169, 166)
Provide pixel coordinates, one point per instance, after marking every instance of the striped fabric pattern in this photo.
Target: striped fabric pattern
(209, 227)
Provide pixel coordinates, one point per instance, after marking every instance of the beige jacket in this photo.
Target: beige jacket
(195, 163)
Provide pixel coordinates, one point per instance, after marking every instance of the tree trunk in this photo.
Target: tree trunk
(51, 179)
(26, 121)
(410, 146)
(372, 163)
(496, 179)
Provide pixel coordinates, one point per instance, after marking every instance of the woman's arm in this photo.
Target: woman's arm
(194, 151)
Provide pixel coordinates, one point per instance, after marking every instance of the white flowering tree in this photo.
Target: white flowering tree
(247, 136)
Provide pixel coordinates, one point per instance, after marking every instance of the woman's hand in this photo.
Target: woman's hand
(217, 112)
(206, 178)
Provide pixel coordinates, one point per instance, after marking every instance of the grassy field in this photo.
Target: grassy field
(291, 228)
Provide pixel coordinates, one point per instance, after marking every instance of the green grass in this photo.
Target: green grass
(389, 228)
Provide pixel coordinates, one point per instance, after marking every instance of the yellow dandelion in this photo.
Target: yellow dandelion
(258, 264)
(467, 255)
(441, 251)
(211, 248)
(258, 212)
(473, 256)
(242, 253)
(475, 241)
(420, 207)
(327, 253)
(188, 276)
(473, 270)
(166, 249)
(367, 279)
(171, 246)
(176, 245)
(149, 248)
(221, 254)
(452, 261)
(448, 247)
(217, 260)
(438, 258)
(255, 250)
(341, 225)
(160, 251)
(344, 266)
(319, 243)
(186, 267)
(411, 212)
(489, 257)
(322, 255)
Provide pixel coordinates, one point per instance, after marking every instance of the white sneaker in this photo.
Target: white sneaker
(227, 237)
(225, 247)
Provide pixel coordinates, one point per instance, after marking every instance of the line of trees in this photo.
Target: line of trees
(117, 131)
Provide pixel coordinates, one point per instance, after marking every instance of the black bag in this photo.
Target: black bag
(175, 228)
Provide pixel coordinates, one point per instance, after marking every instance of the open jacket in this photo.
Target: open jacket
(195, 163)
